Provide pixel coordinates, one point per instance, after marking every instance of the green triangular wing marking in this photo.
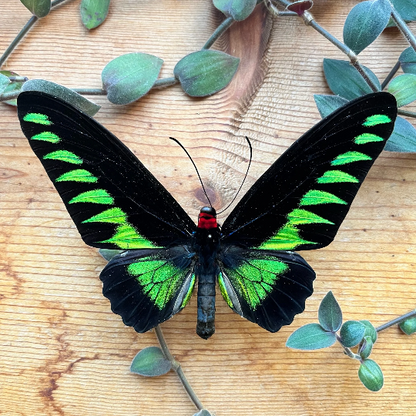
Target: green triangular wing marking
(376, 120)
(350, 157)
(287, 238)
(77, 175)
(64, 156)
(95, 196)
(126, 237)
(337, 176)
(47, 136)
(37, 118)
(367, 138)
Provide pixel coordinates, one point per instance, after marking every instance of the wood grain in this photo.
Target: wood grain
(62, 351)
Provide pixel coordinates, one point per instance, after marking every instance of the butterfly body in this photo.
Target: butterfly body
(299, 203)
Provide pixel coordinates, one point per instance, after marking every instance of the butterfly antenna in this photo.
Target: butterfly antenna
(196, 169)
(244, 179)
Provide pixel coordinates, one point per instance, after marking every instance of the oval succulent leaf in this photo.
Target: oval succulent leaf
(129, 77)
(369, 330)
(329, 313)
(403, 88)
(40, 8)
(408, 326)
(310, 337)
(70, 96)
(407, 61)
(403, 138)
(150, 362)
(205, 72)
(108, 253)
(12, 86)
(328, 103)
(203, 412)
(4, 82)
(365, 347)
(371, 375)
(352, 332)
(406, 9)
(344, 80)
(365, 22)
(237, 9)
(94, 12)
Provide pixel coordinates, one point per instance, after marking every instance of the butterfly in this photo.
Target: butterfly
(116, 203)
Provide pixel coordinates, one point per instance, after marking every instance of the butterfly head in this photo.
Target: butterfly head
(207, 218)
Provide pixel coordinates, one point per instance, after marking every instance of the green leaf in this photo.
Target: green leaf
(403, 138)
(205, 72)
(369, 330)
(94, 12)
(203, 412)
(371, 375)
(40, 8)
(344, 80)
(311, 337)
(408, 326)
(329, 313)
(407, 61)
(129, 77)
(406, 9)
(237, 9)
(352, 332)
(70, 96)
(11, 87)
(365, 347)
(4, 82)
(365, 22)
(403, 87)
(108, 253)
(150, 362)
(327, 104)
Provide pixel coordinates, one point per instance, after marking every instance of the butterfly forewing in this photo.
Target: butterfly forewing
(302, 199)
(113, 199)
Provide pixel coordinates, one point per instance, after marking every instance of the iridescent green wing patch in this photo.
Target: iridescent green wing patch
(115, 202)
(267, 288)
(147, 287)
(301, 201)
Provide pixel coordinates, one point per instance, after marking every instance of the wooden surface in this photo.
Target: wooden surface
(62, 351)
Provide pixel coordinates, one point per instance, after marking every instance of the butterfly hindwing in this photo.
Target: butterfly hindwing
(147, 287)
(301, 200)
(265, 286)
(115, 202)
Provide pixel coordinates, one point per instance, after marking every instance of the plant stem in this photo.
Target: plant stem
(401, 24)
(218, 32)
(396, 321)
(17, 39)
(310, 21)
(391, 74)
(406, 113)
(165, 82)
(23, 32)
(90, 91)
(347, 350)
(178, 369)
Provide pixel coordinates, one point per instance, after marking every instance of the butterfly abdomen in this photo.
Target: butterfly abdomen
(206, 270)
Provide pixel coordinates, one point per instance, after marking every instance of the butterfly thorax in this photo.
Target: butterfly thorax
(206, 246)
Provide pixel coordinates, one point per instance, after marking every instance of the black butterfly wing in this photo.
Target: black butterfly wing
(264, 286)
(115, 202)
(147, 287)
(302, 199)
